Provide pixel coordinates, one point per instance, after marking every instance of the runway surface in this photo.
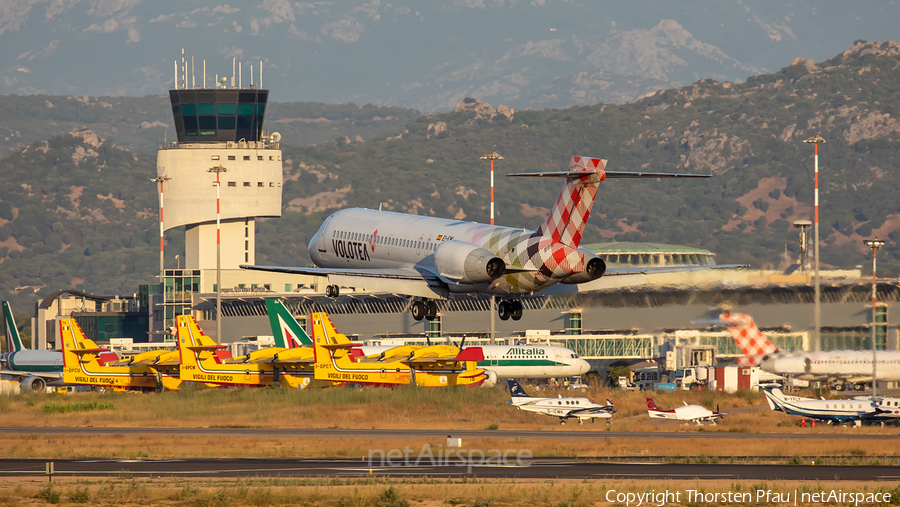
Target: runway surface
(709, 433)
(537, 468)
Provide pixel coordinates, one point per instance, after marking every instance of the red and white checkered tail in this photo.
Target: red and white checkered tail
(753, 344)
(573, 207)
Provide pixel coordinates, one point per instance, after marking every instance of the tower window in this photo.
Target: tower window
(230, 157)
(246, 157)
(214, 157)
(259, 157)
(232, 183)
(260, 184)
(246, 183)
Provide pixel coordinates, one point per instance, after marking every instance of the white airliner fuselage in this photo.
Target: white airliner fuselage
(849, 365)
(369, 239)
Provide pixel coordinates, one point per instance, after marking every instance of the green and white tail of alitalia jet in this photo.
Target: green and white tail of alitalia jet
(285, 328)
(13, 342)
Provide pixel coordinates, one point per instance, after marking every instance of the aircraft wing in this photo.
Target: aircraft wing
(295, 360)
(656, 270)
(409, 282)
(22, 374)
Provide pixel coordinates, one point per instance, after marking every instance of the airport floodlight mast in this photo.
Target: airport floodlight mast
(492, 156)
(874, 244)
(818, 308)
(160, 180)
(218, 170)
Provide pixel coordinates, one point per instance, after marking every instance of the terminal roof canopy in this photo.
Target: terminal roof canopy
(629, 253)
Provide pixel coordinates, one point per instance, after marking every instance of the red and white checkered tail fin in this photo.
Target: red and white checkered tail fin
(567, 218)
(573, 207)
(753, 344)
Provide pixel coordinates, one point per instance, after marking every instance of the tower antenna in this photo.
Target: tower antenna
(204, 73)
(176, 73)
(232, 71)
(251, 76)
(240, 75)
(260, 74)
(193, 76)
(183, 85)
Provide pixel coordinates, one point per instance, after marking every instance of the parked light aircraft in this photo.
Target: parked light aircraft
(86, 364)
(853, 366)
(432, 366)
(203, 360)
(432, 258)
(34, 369)
(833, 411)
(687, 413)
(564, 408)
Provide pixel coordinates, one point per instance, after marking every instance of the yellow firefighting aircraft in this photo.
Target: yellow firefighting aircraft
(432, 366)
(202, 360)
(84, 363)
(165, 362)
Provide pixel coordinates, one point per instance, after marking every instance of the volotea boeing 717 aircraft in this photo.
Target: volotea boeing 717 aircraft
(853, 366)
(431, 258)
(564, 408)
(432, 366)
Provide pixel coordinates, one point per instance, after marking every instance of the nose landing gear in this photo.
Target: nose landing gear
(510, 309)
(424, 310)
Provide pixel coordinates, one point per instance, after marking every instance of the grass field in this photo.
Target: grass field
(381, 492)
(348, 407)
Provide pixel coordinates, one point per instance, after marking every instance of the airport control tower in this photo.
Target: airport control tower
(220, 128)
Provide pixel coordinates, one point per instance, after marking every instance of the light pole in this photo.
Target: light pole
(817, 316)
(218, 169)
(160, 180)
(874, 244)
(492, 156)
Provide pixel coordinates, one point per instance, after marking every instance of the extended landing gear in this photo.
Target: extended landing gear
(424, 310)
(507, 309)
(332, 291)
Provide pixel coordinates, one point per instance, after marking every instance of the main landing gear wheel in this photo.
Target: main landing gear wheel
(507, 309)
(430, 310)
(424, 310)
(332, 291)
(418, 310)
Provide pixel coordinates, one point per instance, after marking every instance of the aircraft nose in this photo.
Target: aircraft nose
(313, 251)
(583, 366)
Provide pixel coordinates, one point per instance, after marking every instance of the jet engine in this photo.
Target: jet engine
(490, 378)
(32, 384)
(594, 268)
(467, 263)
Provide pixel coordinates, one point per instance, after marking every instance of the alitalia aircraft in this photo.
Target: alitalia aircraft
(35, 369)
(432, 258)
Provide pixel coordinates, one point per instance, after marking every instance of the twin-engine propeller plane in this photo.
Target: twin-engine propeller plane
(432, 258)
(564, 408)
(687, 413)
